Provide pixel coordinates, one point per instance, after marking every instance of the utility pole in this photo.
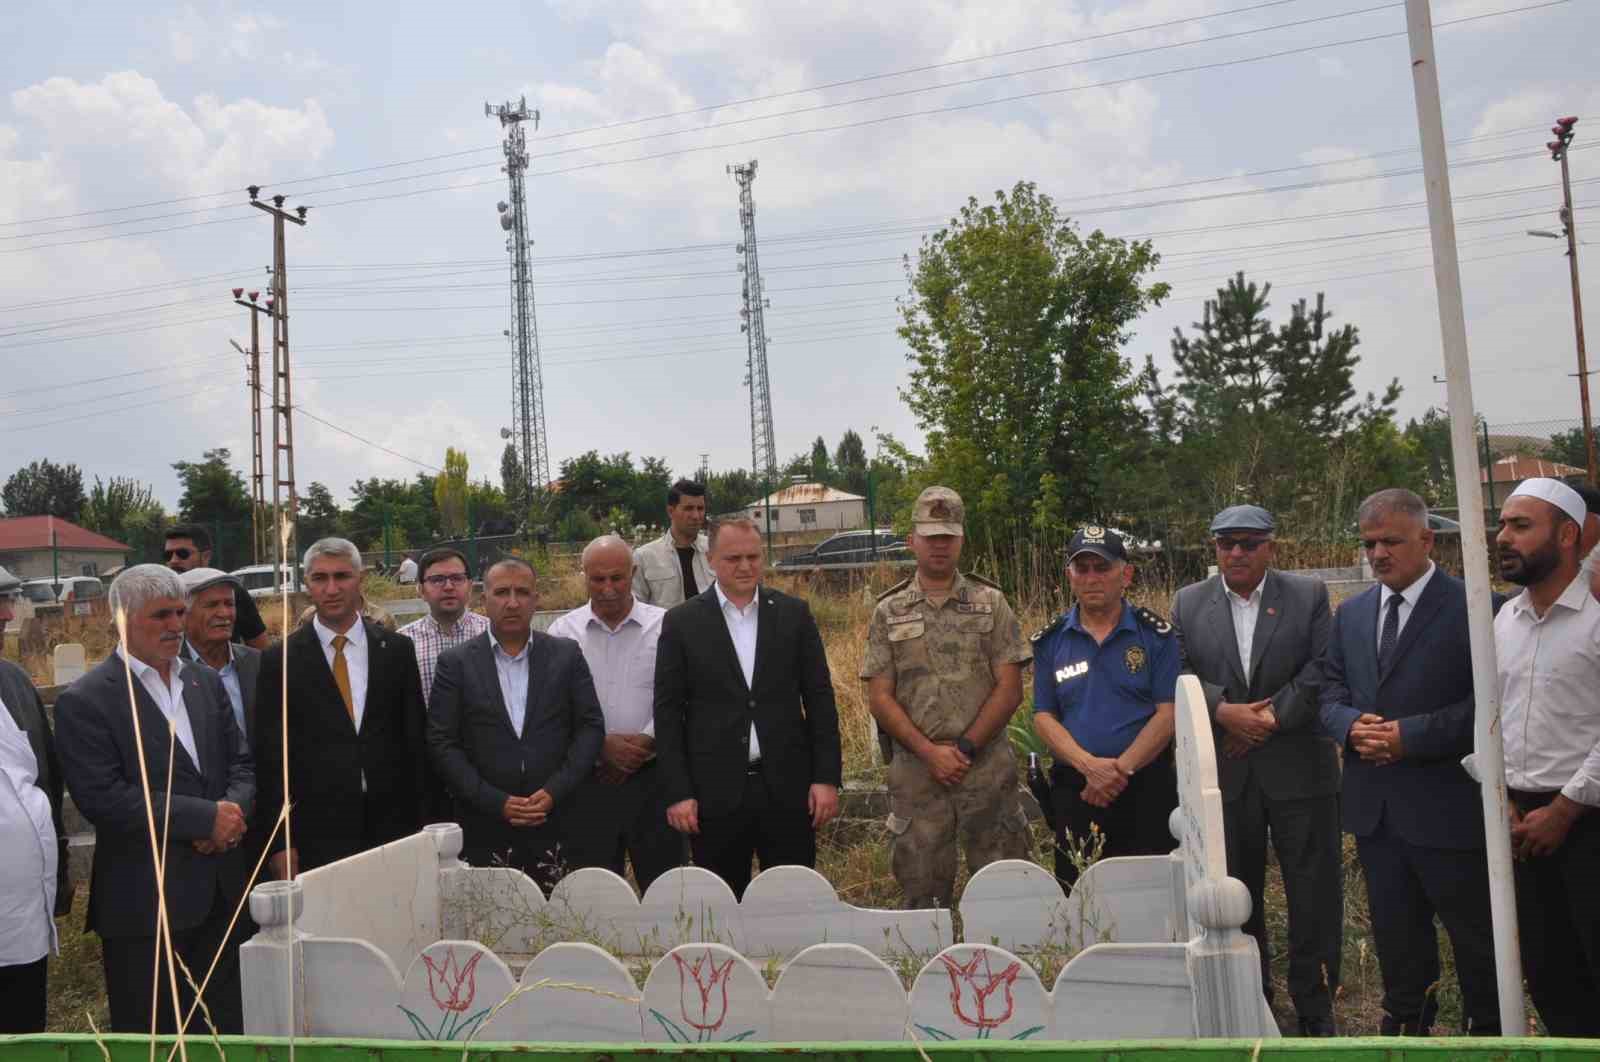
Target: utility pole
(763, 448)
(285, 503)
(258, 493)
(527, 395)
(1558, 151)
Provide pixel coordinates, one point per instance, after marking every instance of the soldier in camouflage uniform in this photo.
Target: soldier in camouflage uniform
(944, 674)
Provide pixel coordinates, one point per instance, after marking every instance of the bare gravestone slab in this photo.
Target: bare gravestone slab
(1125, 991)
(388, 897)
(570, 993)
(69, 663)
(688, 904)
(837, 992)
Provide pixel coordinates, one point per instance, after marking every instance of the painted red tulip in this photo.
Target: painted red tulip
(451, 984)
(972, 989)
(707, 1007)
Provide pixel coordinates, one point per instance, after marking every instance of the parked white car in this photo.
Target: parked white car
(257, 579)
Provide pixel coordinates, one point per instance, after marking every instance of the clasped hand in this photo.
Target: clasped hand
(1247, 724)
(1376, 741)
(226, 829)
(1106, 779)
(529, 810)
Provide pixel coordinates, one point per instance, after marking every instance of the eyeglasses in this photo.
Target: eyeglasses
(456, 579)
(1249, 545)
(181, 553)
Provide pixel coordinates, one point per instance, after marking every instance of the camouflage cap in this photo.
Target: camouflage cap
(938, 512)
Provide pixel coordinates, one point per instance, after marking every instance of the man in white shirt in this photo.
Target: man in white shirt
(1547, 644)
(408, 571)
(619, 811)
(445, 585)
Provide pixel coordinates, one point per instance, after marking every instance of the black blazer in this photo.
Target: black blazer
(1291, 635)
(704, 709)
(478, 755)
(22, 701)
(327, 756)
(100, 759)
(1426, 798)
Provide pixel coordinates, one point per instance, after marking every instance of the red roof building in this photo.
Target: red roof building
(38, 547)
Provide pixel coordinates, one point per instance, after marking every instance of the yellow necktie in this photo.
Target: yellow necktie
(341, 674)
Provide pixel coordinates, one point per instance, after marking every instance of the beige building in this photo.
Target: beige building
(810, 507)
(39, 547)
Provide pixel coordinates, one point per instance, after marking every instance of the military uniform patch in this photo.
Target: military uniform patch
(1134, 659)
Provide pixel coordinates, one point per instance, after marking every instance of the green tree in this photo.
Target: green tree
(319, 514)
(821, 468)
(511, 482)
(215, 495)
(1015, 324)
(727, 492)
(450, 489)
(1568, 447)
(406, 506)
(850, 462)
(127, 510)
(44, 488)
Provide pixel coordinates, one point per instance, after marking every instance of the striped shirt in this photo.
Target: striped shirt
(432, 639)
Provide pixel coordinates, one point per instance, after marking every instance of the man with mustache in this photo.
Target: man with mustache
(1547, 645)
(618, 812)
(208, 639)
(1397, 698)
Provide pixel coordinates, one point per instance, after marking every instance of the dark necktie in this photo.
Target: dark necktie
(1391, 632)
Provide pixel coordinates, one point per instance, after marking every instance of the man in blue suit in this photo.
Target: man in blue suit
(1397, 698)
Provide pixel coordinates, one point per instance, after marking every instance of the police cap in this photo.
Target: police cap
(1101, 541)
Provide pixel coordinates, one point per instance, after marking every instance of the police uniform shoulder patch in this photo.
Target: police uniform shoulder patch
(983, 581)
(1153, 621)
(896, 588)
(1059, 620)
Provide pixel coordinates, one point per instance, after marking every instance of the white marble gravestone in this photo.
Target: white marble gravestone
(978, 992)
(387, 896)
(451, 988)
(570, 993)
(837, 992)
(68, 663)
(706, 993)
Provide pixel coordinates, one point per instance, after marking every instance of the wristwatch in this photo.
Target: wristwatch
(966, 748)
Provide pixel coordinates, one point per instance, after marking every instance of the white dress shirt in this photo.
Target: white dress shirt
(168, 697)
(622, 661)
(513, 674)
(355, 661)
(742, 629)
(28, 839)
(1246, 611)
(1410, 594)
(1549, 684)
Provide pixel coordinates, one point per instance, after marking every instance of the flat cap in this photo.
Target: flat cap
(196, 580)
(938, 512)
(1243, 518)
(1101, 541)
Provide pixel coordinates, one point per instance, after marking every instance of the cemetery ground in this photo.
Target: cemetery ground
(853, 852)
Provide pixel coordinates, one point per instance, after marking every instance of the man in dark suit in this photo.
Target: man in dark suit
(514, 726)
(183, 709)
(1397, 698)
(356, 777)
(208, 639)
(747, 734)
(1255, 638)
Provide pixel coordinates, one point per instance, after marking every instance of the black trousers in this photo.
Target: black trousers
(1558, 914)
(1305, 834)
(1407, 885)
(777, 836)
(22, 997)
(1134, 824)
(610, 822)
(131, 976)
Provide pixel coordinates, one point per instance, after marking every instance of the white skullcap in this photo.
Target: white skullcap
(1556, 493)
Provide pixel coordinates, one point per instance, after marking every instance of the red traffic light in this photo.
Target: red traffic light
(253, 295)
(237, 292)
(1567, 122)
(1555, 146)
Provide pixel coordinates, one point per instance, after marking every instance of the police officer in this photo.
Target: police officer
(944, 674)
(1105, 676)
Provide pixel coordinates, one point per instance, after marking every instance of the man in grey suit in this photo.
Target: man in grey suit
(208, 629)
(514, 725)
(182, 708)
(1255, 638)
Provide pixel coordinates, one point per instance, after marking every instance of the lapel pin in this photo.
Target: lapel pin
(1272, 612)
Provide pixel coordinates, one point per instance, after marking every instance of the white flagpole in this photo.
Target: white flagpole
(1469, 495)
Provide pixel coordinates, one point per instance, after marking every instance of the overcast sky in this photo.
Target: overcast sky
(114, 326)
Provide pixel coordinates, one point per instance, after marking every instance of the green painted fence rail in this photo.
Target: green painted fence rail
(78, 1048)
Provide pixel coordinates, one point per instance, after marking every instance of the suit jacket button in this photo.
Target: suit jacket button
(751, 703)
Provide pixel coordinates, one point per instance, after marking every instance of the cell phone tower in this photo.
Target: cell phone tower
(763, 449)
(527, 396)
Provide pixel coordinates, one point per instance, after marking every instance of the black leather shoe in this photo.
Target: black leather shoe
(1318, 1027)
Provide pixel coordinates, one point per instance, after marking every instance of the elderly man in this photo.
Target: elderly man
(1397, 698)
(943, 668)
(1255, 637)
(619, 810)
(513, 729)
(189, 546)
(1105, 676)
(208, 639)
(746, 726)
(355, 725)
(676, 566)
(1547, 644)
(33, 874)
(180, 715)
(446, 586)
